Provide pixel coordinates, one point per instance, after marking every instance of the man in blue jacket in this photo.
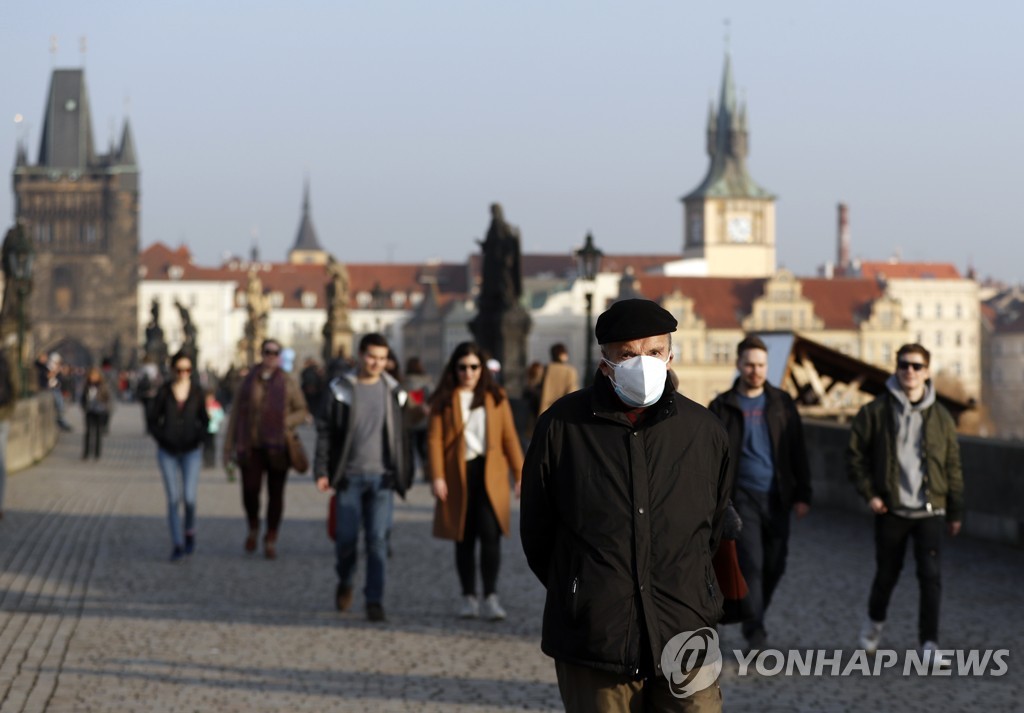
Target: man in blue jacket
(772, 477)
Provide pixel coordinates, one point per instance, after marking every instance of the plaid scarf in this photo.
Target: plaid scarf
(261, 410)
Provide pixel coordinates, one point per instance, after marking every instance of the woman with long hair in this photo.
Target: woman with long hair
(472, 447)
(178, 420)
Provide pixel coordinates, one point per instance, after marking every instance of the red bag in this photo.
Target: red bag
(731, 583)
(332, 517)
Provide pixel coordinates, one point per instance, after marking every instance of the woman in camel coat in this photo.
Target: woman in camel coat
(472, 447)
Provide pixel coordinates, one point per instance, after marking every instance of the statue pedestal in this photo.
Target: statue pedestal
(337, 341)
(503, 335)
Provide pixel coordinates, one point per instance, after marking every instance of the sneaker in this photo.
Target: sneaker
(491, 609)
(871, 635)
(190, 544)
(375, 612)
(930, 652)
(177, 553)
(343, 597)
(470, 608)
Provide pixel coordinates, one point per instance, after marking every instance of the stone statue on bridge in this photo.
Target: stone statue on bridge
(501, 324)
(257, 307)
(189, 332)
(337, 329)
(156, 347)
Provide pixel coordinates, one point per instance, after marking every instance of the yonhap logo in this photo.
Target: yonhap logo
(691, 661)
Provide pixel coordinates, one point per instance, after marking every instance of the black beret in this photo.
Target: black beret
(627, 320)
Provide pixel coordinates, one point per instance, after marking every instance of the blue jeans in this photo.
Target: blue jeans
(368, 501)
(186, 465)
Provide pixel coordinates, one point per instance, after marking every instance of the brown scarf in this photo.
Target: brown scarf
(261, 404)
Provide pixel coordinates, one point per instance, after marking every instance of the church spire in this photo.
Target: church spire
(727, 145)
(307, 247)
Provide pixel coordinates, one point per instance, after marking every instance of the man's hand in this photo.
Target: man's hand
(519, 489)
(323, 484)
(877, 506)
(440, 489)
(801, 509)
(954, 528)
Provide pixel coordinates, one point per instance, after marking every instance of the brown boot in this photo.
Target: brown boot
(270, 545)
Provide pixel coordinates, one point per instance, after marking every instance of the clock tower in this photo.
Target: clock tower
(728, 220)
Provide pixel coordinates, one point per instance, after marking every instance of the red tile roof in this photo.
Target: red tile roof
(911, 270)
(723, 302)
(291, 280)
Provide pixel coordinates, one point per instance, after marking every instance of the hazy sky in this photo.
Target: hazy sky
(411, 117)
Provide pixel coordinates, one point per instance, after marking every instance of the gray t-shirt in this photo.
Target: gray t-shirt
(366, 452)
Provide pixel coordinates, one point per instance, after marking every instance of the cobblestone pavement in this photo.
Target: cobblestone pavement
(94, 618)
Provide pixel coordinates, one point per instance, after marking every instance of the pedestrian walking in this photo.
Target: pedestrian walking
(474, 453)
(267, 406)
(215, 414)
(624, 490)
(770, 473)
(178, 421)
(362, 454)
(904, 459)
(420, 387)
(96, 405)
(560, 378)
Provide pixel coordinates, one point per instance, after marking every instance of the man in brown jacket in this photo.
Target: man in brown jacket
(560, 378)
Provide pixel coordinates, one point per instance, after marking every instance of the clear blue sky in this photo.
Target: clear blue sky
(411, 117)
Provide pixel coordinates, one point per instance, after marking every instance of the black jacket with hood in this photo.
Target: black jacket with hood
(620, 522)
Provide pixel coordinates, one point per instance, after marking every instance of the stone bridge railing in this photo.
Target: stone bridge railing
(993, 480)
(33, 431)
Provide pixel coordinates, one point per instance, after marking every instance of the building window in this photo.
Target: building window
(63, 290)
(308, 300)
(938, 311)
(920, 310)
(959, 310)
(958, 339)
(276, 299)
(938, 339)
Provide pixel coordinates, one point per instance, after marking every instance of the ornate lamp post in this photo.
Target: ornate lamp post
(378, 296)
(588, 264)
(18, 257)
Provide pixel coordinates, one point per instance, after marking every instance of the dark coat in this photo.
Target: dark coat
(620, 523)
(333, 428)
(178, 430)
(786, 432)
(872, 464)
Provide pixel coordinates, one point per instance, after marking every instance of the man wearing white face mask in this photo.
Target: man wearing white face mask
(623, 492)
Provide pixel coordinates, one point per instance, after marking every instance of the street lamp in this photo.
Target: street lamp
(17, 263)
(377, 297)
(588, 264)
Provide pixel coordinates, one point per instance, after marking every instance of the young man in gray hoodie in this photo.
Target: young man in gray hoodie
(904, 459)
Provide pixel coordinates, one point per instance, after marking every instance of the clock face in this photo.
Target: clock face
(70, 105)
(739, 229)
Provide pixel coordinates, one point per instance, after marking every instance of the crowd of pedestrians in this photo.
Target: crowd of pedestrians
(628, 487)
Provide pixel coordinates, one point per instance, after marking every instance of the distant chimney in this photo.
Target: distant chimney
(843, 254)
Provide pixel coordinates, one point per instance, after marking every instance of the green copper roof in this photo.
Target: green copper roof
(727, 175)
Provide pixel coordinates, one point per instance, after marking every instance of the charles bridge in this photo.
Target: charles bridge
(94, 618)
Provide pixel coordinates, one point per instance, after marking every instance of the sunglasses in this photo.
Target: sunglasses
(186, 370)
(915, 365)
(468, 367)
(271, 352)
